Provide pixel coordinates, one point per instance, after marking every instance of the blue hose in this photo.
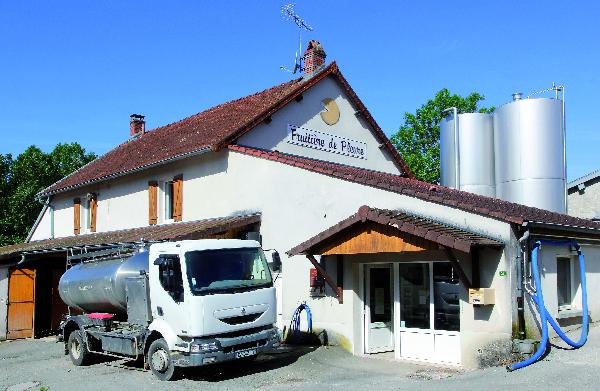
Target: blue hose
(545, 316)
(295, 325)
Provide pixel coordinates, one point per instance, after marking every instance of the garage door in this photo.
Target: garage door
(21, 302)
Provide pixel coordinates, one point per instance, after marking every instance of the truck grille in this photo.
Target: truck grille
(234, 320)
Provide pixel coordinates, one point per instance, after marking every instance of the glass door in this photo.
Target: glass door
(429, 306)
(379, 316)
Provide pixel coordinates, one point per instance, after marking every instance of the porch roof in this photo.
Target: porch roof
(435, 234)
(197, 229)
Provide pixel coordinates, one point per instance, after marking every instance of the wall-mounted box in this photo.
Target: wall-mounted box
(481, 296)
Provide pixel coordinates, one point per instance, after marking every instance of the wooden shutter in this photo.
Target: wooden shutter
(177, 198)
(93, 210)
(152, 203)
(76, 216)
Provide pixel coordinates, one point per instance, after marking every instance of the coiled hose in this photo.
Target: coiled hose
(545, 316)
(295, 324)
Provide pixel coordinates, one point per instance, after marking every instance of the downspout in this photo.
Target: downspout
(456, 147)
(524, 247)
(46, 205)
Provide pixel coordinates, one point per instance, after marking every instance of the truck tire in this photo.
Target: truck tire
(78, 351)
(159, 359)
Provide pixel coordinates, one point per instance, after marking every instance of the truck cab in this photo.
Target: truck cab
(197, 302)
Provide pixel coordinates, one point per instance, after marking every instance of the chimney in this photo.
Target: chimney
(314, 58)
(137, 125)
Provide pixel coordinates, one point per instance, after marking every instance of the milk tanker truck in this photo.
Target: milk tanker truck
(180, 304)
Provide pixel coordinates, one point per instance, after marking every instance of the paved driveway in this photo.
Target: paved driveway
(41, 363)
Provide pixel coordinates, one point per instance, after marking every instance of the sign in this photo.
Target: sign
(502, 273)
(326, 142)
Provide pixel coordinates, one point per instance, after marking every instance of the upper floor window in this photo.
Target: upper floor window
(84, 213)
(169, 202)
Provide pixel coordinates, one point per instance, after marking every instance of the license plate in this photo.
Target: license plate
(245, 353)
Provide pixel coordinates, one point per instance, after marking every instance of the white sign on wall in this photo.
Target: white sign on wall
(326, 142)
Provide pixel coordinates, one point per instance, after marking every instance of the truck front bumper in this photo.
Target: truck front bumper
(228, 348)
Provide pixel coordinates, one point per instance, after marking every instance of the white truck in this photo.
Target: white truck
(180, 304)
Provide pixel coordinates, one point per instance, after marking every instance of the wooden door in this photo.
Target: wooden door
(21, 303)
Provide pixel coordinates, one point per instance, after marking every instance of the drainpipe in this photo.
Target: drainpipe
(46, 205)
(456, 147)
(524, 247)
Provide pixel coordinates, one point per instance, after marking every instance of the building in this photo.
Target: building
(305, 165)
(584, 196)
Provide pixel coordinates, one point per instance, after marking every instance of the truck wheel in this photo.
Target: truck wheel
(77, 349)
(159, 358)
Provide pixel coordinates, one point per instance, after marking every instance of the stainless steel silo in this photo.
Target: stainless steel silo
(475, 153)
(529, 149)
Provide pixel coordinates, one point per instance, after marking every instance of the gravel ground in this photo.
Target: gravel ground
(32, 364)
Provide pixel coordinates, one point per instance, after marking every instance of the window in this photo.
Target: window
(173, 199)
(563, 281)
(169, 275)
(169, 200)
(88, 212)
(227, 270)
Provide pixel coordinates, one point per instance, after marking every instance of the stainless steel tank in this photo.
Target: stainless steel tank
(529, 150)
(475, 153)
(100, 286)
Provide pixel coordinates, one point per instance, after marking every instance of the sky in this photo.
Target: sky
(75, 70)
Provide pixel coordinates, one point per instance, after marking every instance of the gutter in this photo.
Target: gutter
(593, 232)
(196, 152)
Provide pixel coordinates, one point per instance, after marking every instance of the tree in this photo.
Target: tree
(418, 139)
(22, 178)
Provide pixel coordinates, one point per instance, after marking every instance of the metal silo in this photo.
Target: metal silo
(529, 142)
(475, 153)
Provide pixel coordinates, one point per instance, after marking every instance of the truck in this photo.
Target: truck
(177, 304)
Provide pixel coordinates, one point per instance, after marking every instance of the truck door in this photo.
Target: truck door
(166, 292)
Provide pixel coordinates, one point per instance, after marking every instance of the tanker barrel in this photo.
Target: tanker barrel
(99, 286)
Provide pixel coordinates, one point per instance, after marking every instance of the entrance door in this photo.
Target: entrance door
(21, 303)
(379, 309)
(429, 312)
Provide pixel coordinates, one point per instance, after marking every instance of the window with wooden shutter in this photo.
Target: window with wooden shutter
(178, 198)
(152, 202)
(93, 205)
(76, 216)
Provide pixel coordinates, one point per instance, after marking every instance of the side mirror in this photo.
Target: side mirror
(276, 261)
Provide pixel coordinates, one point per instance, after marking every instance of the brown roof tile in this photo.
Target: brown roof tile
(473, 203)
(435, 232)
(178, 231)
(214, 129)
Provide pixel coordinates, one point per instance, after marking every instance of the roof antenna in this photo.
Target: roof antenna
(288, 13)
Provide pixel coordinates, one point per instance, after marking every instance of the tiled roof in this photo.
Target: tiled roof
(435, 232)
(469, 202)
(178, 231)
(582, 180)
(211, 129)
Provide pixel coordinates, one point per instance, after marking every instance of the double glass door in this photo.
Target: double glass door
(413, 309)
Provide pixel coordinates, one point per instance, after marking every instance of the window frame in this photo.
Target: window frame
(571, 283)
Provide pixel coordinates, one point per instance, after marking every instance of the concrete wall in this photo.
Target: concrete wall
(3, 301)
(585, 203)
(306, 114)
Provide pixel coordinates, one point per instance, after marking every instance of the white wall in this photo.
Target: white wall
(306, 114)
(3, 301)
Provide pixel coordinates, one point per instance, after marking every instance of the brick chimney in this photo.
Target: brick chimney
(137, 125)
(314, 57)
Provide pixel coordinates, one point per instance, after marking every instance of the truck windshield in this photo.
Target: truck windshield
(218, 271)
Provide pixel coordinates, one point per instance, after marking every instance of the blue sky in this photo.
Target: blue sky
(75, 70)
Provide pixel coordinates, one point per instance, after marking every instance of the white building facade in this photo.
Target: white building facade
(306, 160)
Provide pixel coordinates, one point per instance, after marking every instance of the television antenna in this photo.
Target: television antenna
(289, 13)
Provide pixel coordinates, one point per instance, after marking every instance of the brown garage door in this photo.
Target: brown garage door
(21, 303)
